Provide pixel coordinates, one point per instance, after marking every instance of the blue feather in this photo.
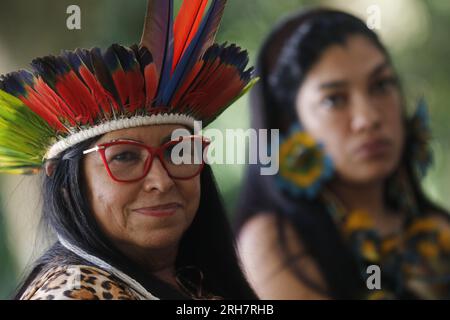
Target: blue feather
(126, 57)
(12, 83)
(158, 38)
(168, 59)
(202, 40)
(85, 56)
(72, 59)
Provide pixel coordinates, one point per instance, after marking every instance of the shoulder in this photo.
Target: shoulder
(76, 282)
(269, 262)
(266, 230)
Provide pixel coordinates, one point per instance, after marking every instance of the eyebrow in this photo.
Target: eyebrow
(128, 139)
(333, 84)
(342, 83)
(166, 139)
(378, 69)
(163, 140)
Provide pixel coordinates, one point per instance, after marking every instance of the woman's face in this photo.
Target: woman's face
(350, 101)
(152, 213)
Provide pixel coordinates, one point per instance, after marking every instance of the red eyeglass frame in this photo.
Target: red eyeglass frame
(153, 151)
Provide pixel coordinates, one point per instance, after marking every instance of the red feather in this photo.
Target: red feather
(44, 105)
(78, 97)
(206, 106)
(187, 83)
(196, 89)
(186, 26)
(53, 101)
(120, 83)
(39, 107)
(136, 84)
(223, 98)
(103, 97)
(151, 83)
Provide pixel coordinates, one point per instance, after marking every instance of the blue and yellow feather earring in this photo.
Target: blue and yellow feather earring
(304, 166)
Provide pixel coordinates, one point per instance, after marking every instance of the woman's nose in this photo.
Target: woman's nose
(157, 178)
(365, 116)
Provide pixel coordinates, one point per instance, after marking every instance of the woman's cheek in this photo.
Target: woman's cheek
(110, 209)
(191, 190)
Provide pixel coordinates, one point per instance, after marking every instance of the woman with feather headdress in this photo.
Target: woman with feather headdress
(130, 221)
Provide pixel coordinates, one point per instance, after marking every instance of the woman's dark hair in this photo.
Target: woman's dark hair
(208, 244)
(290, 51)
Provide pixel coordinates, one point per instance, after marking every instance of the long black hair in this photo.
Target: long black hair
(289, 52)
(207, 245)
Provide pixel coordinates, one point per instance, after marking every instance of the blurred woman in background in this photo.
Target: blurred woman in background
(348, 193)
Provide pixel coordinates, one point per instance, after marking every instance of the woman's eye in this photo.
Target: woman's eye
(125, 157)
(384, 85)
(334, 101)
(168, 153)
(183, 152)
(177, 151)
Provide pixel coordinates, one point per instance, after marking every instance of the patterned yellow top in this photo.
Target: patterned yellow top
(414, 262)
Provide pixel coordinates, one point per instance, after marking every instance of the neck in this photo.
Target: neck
(367, 197)
(157, 262)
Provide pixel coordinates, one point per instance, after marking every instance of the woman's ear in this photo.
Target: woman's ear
(49, 167)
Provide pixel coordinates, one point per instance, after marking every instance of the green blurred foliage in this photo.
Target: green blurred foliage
(36, 28)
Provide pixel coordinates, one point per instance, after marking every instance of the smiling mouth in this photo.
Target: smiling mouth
(160, 211)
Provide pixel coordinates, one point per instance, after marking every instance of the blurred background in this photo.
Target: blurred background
(415, 32)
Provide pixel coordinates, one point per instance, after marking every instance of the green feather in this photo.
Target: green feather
(24, 137)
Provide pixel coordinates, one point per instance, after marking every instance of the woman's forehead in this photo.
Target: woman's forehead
(356, 58)
(153, 134)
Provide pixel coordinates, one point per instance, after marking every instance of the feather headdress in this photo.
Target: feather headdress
(176, 75)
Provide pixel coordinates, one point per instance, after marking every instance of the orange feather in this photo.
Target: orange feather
(186, 25)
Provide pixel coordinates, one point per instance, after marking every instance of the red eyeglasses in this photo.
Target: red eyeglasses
(130, 161)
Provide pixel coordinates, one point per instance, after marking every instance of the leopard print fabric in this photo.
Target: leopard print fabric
(77, 282)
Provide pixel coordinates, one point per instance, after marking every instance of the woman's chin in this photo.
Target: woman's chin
(157, 239)
(370, 173)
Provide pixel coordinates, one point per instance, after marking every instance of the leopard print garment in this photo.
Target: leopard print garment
(77, 282)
